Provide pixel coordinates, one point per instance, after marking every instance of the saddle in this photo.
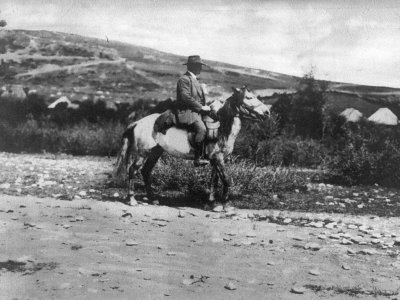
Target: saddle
(168, 119)
(212, 127)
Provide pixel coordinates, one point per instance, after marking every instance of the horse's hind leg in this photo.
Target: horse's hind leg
(133, 170)
(147, 169)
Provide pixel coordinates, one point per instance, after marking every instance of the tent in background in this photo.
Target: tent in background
(384, 116)
(352, 115)
(63, 99)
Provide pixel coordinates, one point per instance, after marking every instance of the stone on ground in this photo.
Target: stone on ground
(298, 289)
(131, 243)
(230, 286)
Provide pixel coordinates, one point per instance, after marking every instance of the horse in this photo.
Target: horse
(142, 146)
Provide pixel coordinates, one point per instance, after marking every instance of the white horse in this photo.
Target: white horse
(142, 146)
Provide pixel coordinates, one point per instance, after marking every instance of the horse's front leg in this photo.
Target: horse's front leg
(147, 169)
(211, 204)
(220, 168)
(213, 184)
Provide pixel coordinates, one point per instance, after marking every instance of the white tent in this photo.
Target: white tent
(63, 99)
(384, 116)
(352, 115)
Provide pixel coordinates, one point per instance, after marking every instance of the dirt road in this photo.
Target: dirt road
(88, 249)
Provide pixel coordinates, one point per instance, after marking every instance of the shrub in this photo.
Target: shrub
(247, 179)
(282, 108)
(253, 136)
(308, 105)
(179, 175)
(80, 139)
(296, 152)
(370, 155)
(281, 151)
(15, 111)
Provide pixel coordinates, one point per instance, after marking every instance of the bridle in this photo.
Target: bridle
(248, 112)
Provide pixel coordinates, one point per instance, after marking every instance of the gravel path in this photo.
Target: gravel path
(84, 248)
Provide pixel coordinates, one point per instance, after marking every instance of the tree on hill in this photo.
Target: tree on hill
(3, 23)
(308, 107)
(282, 108)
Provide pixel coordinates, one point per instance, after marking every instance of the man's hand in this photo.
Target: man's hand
(205, 108)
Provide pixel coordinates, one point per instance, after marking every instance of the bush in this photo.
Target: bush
(246, 178)
(179, 175)
(281, 150)
(253, 136)
(370, 155)
(296, 152)
(308, 106)
(15, 111)
(282, 108)
(80, 139)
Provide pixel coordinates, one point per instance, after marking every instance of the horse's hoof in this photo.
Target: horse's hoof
(132, 201)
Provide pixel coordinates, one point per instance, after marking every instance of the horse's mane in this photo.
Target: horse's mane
(163, 106)
(226, 115)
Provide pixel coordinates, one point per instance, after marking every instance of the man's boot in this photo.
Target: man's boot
(198, 147)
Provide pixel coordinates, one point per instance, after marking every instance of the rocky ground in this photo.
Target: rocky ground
(84, 248)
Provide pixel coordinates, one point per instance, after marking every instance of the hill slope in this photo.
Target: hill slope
(66, 64)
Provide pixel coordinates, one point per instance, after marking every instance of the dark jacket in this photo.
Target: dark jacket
(189, 98)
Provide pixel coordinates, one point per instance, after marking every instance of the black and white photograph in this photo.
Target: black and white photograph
(209, 149)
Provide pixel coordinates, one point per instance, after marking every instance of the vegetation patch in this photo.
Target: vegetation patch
(26, 267)
(177, 182)
(352, 291)
(246, 178)
(79, 139)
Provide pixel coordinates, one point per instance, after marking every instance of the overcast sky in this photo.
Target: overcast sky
(350, 41)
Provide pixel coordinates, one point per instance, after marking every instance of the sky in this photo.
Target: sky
(344, 40)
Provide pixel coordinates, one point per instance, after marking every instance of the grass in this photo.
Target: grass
(178, 183)
(247, 181)
(273, 188)
(80, 139)
(352, 291)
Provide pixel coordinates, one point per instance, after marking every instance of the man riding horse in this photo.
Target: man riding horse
(173, 128)
(191, 104)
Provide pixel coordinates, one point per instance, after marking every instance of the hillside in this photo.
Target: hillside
(57, 64)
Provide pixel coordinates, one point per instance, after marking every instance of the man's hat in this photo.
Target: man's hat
(194, 59)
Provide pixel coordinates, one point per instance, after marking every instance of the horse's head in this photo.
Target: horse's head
(248, 105)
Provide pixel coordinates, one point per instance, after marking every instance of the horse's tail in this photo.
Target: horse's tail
(121, 166)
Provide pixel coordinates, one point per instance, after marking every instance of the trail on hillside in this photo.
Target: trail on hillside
(70, 68)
